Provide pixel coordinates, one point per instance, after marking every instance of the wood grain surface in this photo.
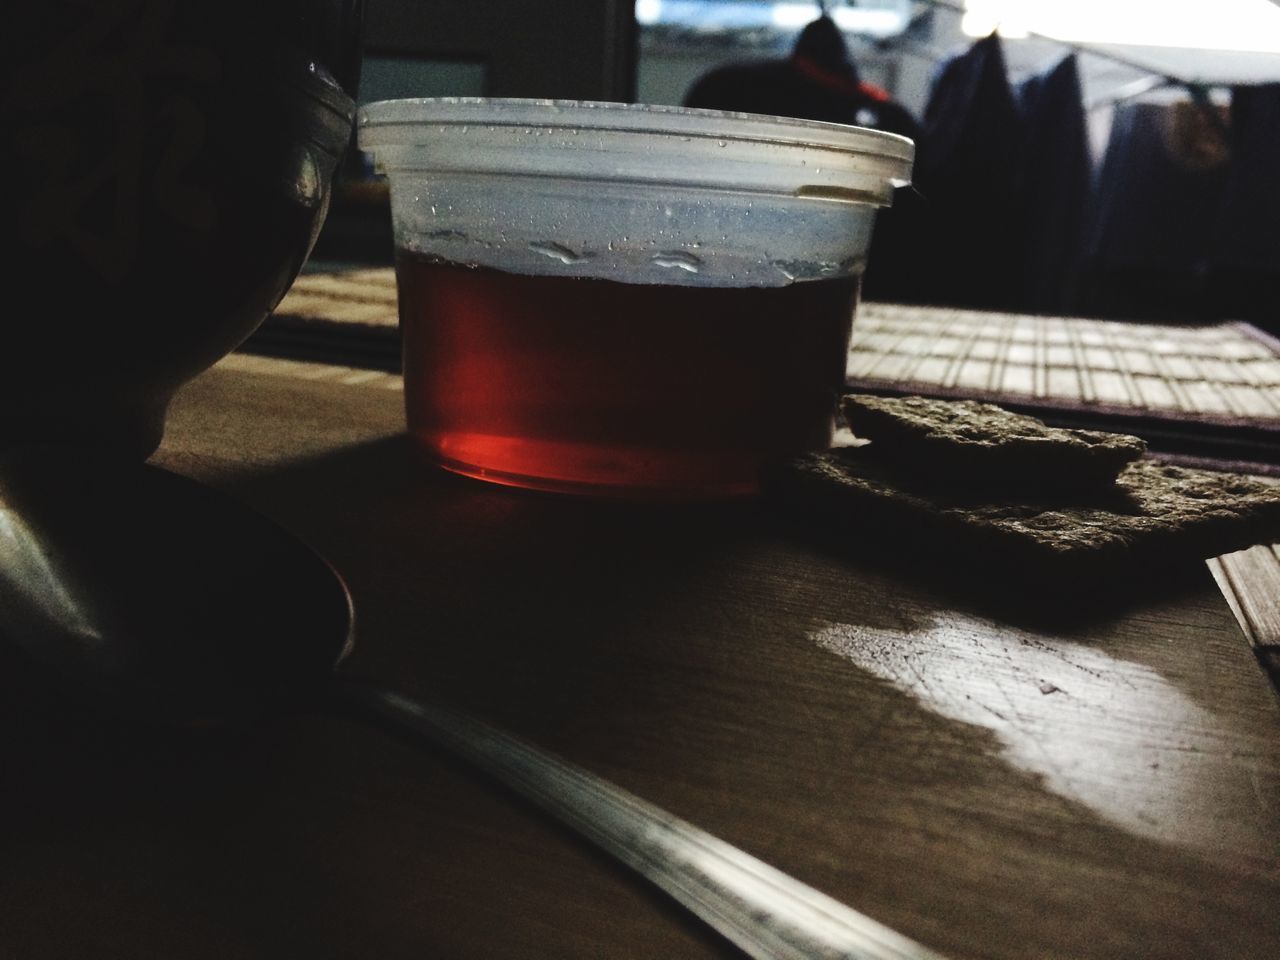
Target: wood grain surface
(991, 783)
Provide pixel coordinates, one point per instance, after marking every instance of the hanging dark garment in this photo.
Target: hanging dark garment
(1055, 174)
(966, 170)
(1154, 211)
(1244, 268)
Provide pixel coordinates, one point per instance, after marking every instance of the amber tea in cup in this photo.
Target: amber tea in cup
(625, 300)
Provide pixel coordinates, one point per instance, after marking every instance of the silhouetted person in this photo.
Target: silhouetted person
(817, 82)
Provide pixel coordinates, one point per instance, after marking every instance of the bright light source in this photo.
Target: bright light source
(875, 22)
(1244, 25)
(790, 15)
(648, 12)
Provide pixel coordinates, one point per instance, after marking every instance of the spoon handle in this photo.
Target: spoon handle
(765, 912)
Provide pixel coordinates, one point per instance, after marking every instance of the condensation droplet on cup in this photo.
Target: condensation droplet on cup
(557, 251)
(721, 143)
(676, 260)
(812, 269)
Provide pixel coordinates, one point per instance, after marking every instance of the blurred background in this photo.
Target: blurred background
(1115, 158)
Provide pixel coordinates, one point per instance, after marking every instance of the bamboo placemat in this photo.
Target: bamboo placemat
(346, 317)
(1250, 582)
(365, 296)
(1207, 392)
(1227, 373)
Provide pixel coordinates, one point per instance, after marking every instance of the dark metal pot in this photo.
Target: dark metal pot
(166, 166)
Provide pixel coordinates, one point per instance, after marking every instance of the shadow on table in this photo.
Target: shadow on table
(1002, 588)
(466, 558)
(668, 647)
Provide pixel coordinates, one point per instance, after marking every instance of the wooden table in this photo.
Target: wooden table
(989, 787)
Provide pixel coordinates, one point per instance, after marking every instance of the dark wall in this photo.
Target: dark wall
(573, 49)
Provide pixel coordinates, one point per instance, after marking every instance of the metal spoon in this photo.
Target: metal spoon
(154, 593)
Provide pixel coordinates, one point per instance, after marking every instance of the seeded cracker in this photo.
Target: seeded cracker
(971, 442)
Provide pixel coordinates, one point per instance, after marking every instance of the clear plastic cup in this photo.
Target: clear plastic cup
(625, 300)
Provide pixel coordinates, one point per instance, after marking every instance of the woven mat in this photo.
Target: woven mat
(1209, 394)
(1226, 373)
(347, 318)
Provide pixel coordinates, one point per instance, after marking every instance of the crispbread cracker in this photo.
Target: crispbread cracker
(979, 443)
(1154, 514)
